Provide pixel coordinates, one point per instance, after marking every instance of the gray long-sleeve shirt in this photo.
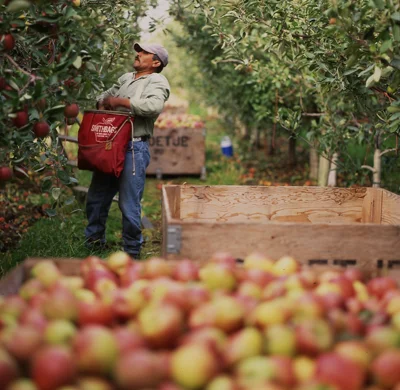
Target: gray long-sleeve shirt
(147, 95)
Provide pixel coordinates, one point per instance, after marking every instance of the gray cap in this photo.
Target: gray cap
(153, 48)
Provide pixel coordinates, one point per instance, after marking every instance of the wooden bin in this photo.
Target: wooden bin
(316, 225)
(177, 151)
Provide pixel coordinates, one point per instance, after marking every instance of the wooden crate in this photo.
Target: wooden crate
(333, 227)
(178, 151)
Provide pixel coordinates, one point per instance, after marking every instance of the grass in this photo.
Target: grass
(63, 235)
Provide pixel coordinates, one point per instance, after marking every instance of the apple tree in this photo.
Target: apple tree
(55, 57)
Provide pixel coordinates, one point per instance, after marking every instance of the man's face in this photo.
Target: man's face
(144, 61)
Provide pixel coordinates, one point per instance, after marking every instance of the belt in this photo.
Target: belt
(137, 139)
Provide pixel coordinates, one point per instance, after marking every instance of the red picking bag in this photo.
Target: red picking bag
(103, 140)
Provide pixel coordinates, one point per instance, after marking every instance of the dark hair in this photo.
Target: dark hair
(161, 67)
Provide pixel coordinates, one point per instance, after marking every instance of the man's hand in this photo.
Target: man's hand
(109, 102)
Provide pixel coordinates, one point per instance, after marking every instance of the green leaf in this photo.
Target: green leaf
(78, 62)
(396, 16)
(51, 212)
(380, 4)
(69, 200)
(396, 32)
(63, 176)
(18, 5)
(377, 74)
(386, 46)
(55, 193)
(370, 81)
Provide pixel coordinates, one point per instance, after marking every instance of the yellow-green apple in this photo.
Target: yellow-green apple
(218, 276)
(60, 303)
(22, 384)
(333, 369)
(141, 369)
(46, 272)
(128, 339)
(85, 295)
(72, 283)
(361, 291)
(21, 341)
(284, 371)
(118, 262)
(193, 365)
(386, 368)
(94, 383)
(313, 336)
(53, 367)
(157, 267)
(308, 305)
(276, 288)
(59, 332)
(286, 265)
(380, 338)
(381, 285)
(271, 312)
(127, 302)
(202, 316)
(95, 349)
(257, 260)
(254, 371)
(229, 313)
(248, 288)
(161, 324)
(280, 339)
(185, 271)
(304, 368)
(243, 344)
(9, 370)
(30, 288)
(96, 312)
(222, 382)
(355, 350)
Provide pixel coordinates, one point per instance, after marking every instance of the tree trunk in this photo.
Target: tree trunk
(313, 175)
(332, 176)
(271, 143)
(376, 177)
(323, 171)
(292, 158)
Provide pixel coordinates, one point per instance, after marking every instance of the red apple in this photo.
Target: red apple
(5, 173)
(134, 271)
(53, 367)
(7, 41)
(141, 369)
(127, 302)
(21, 341)
(313, 336)
(353, 274)
(223, 258)
(30, 288)
(355, 350)
(128, 339)
(21, 119)
(284, 371)
(381, 285)
(258, 276)
(96, 312)
(89, 263)
(60, 304)
(345, 374)
(8, 368)
(185, 271)
(14, 306)
(95, 274)
(214, 338)
(41, 129)
(386, 368)
(35, 318)
(71, 110)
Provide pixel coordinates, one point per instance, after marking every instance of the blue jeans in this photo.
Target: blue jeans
(104, 187)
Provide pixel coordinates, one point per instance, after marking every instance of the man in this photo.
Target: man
(142, 93)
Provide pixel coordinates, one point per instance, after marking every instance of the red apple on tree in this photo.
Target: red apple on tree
(71, 110)
(21, 119)
(5, 173)
(41, 129)
(7, 41)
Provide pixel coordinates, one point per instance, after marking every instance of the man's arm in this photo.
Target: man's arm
(102, 100)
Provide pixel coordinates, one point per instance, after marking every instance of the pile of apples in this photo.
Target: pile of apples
(220, 325)
(174, 121)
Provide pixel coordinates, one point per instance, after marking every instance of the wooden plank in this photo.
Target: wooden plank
(278, 204)
(390, 208)
(372, 206)
(371, 247)
(68, 138)
(10, 283)
(177, 151)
